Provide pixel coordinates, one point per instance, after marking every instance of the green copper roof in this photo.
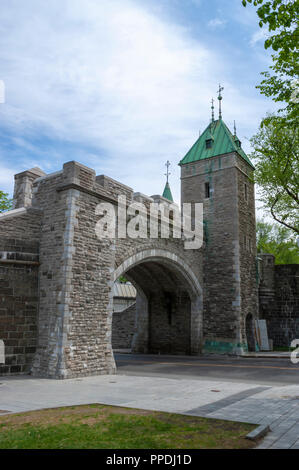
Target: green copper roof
(167, 193)
(223, 142)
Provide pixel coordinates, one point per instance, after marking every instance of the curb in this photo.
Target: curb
(266, 357)
(258, 432)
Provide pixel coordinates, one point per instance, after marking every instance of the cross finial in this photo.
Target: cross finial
(167, 164)
(213, 117)
(220, 99)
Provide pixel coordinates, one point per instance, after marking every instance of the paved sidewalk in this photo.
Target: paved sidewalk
(277, 407)
(252, 403)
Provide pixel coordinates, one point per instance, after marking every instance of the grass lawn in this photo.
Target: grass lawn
(109, 427)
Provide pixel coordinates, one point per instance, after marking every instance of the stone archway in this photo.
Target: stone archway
(168, 303)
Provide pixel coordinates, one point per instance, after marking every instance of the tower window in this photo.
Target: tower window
(209, 143)
(207, 190)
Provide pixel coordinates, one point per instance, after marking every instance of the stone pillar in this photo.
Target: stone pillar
(23, 187)
(78, 174)
(75, 279)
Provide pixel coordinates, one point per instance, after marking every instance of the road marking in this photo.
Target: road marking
(209, 365)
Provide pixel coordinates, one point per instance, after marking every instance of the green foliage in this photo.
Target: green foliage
(278, 241)
(5, 202)
(277, 168)
(281, 18)
(276, 143)
(122, 279)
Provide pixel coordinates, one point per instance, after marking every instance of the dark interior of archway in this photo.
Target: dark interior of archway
(250, 333)
(168, 307)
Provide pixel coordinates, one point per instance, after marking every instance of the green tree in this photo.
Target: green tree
(278, 241)
(5, 202)
(281, 83)
(276, 161)
(276, 143)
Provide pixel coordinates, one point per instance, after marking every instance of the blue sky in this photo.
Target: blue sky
(124, 85)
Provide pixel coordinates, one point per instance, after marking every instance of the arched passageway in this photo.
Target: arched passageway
(168, 315)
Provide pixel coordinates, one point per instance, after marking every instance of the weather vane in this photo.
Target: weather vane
(213, 117)
(220, 99)
(167, 164)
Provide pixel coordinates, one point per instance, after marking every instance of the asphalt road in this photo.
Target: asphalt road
(272, 371)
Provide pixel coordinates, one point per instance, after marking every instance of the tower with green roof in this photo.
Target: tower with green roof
(217, 172)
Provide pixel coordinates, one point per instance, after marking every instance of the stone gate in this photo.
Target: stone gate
(56, 275)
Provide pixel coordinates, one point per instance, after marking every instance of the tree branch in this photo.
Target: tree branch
(281, 221)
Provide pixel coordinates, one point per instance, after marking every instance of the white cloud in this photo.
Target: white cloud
(111, 76)
(259, 35)
(216, 22)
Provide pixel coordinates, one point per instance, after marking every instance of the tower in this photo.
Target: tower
(217, 172)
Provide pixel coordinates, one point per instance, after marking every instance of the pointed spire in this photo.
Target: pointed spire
(212, 107)
(220, 99)
(167, 192)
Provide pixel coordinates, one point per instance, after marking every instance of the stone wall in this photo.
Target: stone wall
(124, 327)
(21, 224)
(170, 320)
(19, 261)
(18, 303)
(279, 300)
